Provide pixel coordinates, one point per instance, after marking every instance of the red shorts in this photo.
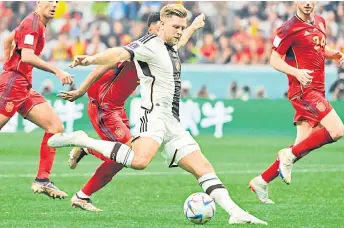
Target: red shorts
(311, 107)
(111, 125)
(16, 94)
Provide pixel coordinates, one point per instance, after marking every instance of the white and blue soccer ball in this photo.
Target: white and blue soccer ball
(199, 208)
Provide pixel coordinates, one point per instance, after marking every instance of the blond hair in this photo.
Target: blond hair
(173, 10)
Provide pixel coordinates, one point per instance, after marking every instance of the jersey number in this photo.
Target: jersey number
(319, 43)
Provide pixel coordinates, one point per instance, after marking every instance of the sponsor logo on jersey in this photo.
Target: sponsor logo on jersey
(320, 106)
(119, 133)
(9, 106)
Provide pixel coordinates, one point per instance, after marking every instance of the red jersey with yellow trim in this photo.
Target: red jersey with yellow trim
(303, 45)
(29, 34)
(115, 86)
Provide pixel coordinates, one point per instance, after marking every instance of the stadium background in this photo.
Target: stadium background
(229, 92)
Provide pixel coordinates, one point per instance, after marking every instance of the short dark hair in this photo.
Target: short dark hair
(153, 18)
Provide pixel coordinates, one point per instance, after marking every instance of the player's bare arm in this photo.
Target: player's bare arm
(334, 54)
(303, 75)
(97, 73)
(109, 56)
(28, 56)
(8, 45)
(196, 24)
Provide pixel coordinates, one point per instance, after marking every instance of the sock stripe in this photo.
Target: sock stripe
(114, 152)
(213, 187)
(126, 157)
(201, 183)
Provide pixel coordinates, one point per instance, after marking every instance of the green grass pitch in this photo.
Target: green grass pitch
(155, 197)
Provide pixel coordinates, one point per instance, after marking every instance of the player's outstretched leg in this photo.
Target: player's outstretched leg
(200, 167)
(116, 151)
(145, 148)
(333, 130)
(42, 114)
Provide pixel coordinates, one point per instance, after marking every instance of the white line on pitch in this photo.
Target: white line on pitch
(172, 173)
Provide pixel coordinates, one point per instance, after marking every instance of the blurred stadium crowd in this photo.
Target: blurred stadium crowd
(236, 32)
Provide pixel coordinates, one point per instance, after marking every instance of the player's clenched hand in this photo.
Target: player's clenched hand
(65, 77)
(198, 22)
(71, 95)
(304, 77)
(339, 57)
(82, 60)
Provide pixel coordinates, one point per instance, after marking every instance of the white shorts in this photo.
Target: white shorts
(164, 128)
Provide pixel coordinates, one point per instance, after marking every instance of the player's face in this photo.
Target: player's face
(306, 7)
(154, 28)
(48, 8)
(173, 29)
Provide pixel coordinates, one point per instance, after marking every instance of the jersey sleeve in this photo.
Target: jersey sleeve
(139, 51)
(282, 41)
(28, 35)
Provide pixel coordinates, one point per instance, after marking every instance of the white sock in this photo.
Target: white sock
(116, 151)
(260, 179)
(102, 146)
(122, 154)
(213, 186)
(289, 151)
(81, 194)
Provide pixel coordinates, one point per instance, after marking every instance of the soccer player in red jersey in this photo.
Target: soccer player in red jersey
(299, 50)
(107, 95)
(22, 49)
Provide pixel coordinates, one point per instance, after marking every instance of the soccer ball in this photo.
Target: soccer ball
(199, 208)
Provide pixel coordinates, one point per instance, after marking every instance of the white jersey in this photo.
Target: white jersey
(158, 68)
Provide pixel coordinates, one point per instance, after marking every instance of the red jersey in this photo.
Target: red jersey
(115, 86)
(29, 34)
(303, 45)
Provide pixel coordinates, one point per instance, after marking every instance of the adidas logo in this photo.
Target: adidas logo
(307, 33)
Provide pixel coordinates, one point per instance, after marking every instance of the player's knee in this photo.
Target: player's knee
(55, 128)
(140, 162)
(337, 133)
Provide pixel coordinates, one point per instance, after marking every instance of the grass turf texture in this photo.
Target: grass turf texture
(155, 197)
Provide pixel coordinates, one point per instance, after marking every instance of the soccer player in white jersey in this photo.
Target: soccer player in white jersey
(158, 67)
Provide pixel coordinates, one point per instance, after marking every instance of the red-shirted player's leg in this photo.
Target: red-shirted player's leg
(318, 110)
(39, 112)
(303, 130)
(109, 126)
(259, 183)
(332, 131)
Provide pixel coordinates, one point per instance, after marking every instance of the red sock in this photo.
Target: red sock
(101, 177)
(272, 172)
(99, 155)
(47, 155)
(316, 140)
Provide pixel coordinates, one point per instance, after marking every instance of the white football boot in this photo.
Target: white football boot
(83, 203)
(239, 216)
(73, 139)
(286, 158)
(260, 188)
